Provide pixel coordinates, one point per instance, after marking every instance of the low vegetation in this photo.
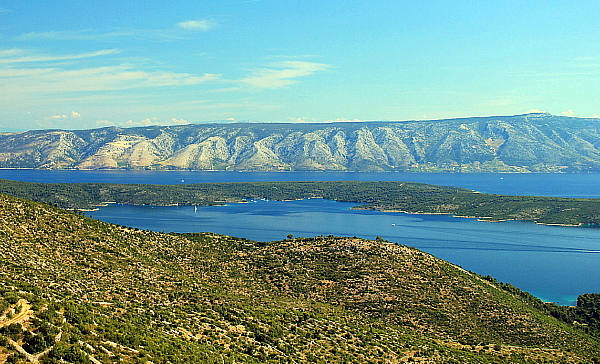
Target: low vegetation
(77, 290)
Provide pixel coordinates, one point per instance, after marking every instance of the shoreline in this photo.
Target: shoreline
(358, 207)
(478, 218)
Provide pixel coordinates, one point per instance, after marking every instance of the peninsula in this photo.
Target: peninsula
(408, 197)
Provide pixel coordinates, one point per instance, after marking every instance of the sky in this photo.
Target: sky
(86, 64)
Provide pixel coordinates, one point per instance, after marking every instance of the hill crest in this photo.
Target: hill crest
(147, 296)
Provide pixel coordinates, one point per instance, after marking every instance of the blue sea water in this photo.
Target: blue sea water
(552, 262)
(530, 184)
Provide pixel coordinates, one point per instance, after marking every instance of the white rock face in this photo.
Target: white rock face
(533, 142)
(204, 155)
(114, 154)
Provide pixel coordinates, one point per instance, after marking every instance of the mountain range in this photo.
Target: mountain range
(537, 142)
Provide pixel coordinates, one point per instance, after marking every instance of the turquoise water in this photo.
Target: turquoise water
(552, 262)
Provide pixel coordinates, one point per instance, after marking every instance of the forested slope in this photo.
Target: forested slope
(84, 290)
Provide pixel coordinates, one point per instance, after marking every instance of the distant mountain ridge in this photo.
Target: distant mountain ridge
(537, 142)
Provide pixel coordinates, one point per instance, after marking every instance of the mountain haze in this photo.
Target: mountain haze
(536, 142)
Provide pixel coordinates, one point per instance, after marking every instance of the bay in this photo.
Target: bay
(554, 263)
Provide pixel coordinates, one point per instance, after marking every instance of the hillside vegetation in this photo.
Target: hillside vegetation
(535, 142)
(77, 290)
(383, 196)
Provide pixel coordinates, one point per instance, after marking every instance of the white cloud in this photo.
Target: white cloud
(73, 115)
(10, 52)
(282, 74)
(167, 34)
(314, 120)
(36, 81)
(586, 58)
(535, 111)
(58, 35)
(103, 123)
(90, 35)
(202, 25)
(144, 122)
(569, 112)
(175, 121)
(302, 120)
(344, 120)
(8, 56)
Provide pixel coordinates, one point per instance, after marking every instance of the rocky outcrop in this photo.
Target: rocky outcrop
(522, 143)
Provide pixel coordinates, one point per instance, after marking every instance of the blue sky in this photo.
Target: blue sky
(87, 64)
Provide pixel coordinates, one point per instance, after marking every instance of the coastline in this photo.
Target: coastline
(478, 218)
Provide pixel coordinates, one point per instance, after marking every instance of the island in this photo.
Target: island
(388, 196)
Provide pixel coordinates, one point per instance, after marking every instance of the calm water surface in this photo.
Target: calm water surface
(553, 263)
(542, 184)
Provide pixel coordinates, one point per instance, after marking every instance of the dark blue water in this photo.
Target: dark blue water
(554, 263)
(540, 184)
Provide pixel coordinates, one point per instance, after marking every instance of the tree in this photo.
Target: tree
(589, 300)
(35, 344)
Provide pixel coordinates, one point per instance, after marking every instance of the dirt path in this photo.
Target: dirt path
(24, 315)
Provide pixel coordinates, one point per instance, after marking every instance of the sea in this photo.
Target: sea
(554, 263)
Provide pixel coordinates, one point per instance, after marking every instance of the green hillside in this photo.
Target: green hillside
(78, 290)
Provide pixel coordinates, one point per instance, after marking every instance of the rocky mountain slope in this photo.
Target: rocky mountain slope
(76, 290)
(522, 143)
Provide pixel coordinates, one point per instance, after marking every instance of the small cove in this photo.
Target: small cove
(552, 262)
